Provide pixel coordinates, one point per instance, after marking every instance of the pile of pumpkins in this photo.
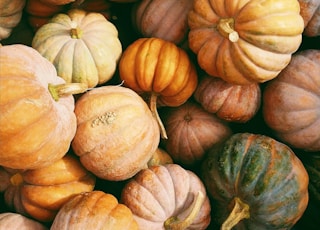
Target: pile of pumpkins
(159, 114)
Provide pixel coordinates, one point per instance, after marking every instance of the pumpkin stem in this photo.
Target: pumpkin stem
(239, 212)
(226, 28)
(75, 31)
(173, 223)
(153, 108)
(16, 179)
(60, 90)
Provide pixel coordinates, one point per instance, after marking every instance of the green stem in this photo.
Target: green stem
(226, 28)
(154, 110)
(66, 89)
(239, 212)
(173, 223)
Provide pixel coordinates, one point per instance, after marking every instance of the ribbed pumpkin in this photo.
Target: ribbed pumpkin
(291, 102)
(310, 12)
(40, 193)
(83, 46)
(191, 132)
(167, 197)
(36, 126)
(230, 102)
(16, 221)
(116, 133)
(255, 182)
(164, 19)
(159, 69)
(10, 16)
(94, 210)
(245, 41)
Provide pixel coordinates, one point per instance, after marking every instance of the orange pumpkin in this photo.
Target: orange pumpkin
(94, 210)
(40, 193)
(116, 133)
(245, 41)
(159, 69)
(37, 122)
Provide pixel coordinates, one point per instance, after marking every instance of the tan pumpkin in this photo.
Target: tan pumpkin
(16, 221)
(94, 210)
(310, 12)
(37, 122)
(167, 197)
(116, 133)
(291, 102)
(161, 70)
(245, 41)
(164, 19)
(191, 132)
(83, 46)
(230, 102)
(40, 193)
(10, 16)
(160, 157)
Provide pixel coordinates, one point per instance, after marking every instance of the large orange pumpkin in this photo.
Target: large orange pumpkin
(245, 41)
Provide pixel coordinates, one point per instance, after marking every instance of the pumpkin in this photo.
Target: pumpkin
(230, 102)
(37, 122)
(58, 2)
(244, 42)
(161, 70)
(310, 12)
(94, 210)
(83, 46)
(160, 157)
(16, 221)
(191, 132)
(40, 193)
(10, 16)
(291, 102)
(164, 19)
(116, 133)
(99, 6)
(167, 197)
(255, 182)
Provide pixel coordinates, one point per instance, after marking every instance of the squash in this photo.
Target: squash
(94, 210)
(10, 16)
(245, 42)
(167, 197)
(37, 122)
(59, 2)
(255, 182)
(160, 71)
(83, 46)
(160, 157)
(191, 132)
(16, 221)
(40, 193)
(310, 12)
(291, 102)
(163, 19)
(116, 134)
(230, 102)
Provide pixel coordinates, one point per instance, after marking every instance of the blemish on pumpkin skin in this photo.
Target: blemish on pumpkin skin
(104, 119)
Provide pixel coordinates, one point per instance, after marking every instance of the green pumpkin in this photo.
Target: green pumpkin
(255, 183)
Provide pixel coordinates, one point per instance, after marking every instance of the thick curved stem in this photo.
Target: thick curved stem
(239, 212)
(154, 110)
(226, 28)
(173, 223)
(66, 89)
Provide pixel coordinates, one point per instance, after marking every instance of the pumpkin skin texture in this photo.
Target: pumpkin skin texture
(83, 46)
(33, 125)
(94, 210)
(230, 102)
(116, 133)
(246, 41)
(16, 221)
(291, 102)
(261, 172)
(40, 193)
(310, 12)
(10, 16)
(160, 192)
(163, 19)
(191, 132)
